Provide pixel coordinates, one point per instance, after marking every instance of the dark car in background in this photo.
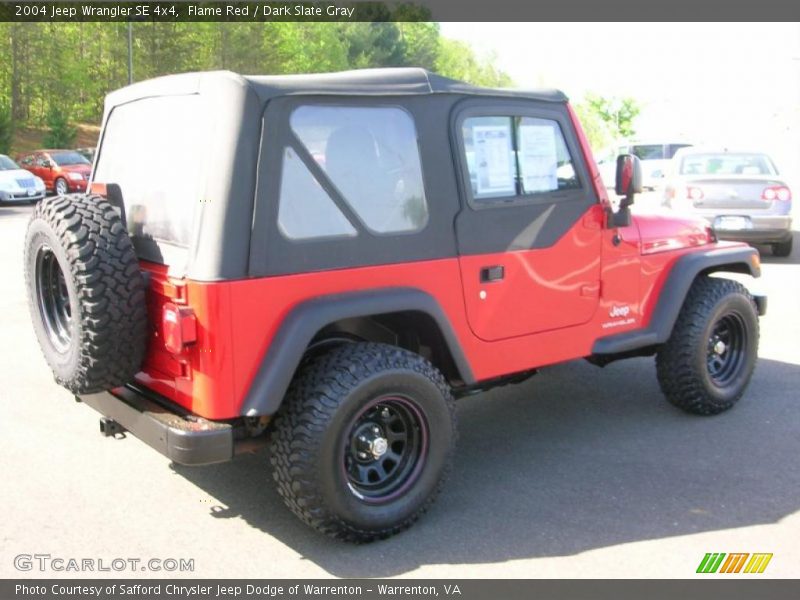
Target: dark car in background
(740, 193)
(18, 185)
(63, 171)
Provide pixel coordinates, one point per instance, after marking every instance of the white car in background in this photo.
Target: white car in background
(18, 185)
(654, 157)
(739, 192)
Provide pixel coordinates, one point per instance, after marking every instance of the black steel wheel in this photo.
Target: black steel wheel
(386, 449)
(706, 365)
(726, 348)
(363, 441)
(53, 298)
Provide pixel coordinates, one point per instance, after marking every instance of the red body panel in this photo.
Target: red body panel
(542, 289)
(551, 305)
(236, 320)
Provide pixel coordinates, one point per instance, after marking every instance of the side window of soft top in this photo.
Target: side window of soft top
(516, 157)
(370, 157)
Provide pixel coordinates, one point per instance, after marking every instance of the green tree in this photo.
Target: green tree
(618, 113)
(61, 134)
(6, 127)
(374, 45)
(421, 44)
(457, 60)
(597, 130)
(68, 68)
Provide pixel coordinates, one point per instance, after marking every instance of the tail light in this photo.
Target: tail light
(776, 192)
(178, 326)
(694, 193)
(98, 188)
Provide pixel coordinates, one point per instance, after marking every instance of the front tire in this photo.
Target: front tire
(706, 364)
(363, 441)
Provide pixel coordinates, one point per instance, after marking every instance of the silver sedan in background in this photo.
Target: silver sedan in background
(740, 194)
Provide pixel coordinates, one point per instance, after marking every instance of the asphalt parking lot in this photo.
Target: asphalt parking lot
(579, 472)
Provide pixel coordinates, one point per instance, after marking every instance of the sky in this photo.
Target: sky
(730, 84)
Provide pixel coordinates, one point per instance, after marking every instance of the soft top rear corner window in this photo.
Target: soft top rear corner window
(153, 150)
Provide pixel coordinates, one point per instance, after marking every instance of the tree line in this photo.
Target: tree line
(66, 69)
(54, 75)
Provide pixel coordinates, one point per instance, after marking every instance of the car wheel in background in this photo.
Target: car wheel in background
(60, 187)
(783, 249)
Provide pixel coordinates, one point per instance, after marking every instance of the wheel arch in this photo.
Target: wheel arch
(362, 315)
(685, 270)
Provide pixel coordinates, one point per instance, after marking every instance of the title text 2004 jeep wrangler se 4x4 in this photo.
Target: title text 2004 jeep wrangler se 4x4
(336, 257)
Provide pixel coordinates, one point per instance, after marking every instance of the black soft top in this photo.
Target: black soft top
(392, 81)
(361, 82)
(231, 108)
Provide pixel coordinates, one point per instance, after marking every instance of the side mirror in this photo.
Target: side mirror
(628, 183)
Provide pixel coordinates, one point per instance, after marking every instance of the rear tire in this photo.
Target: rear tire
(85, 293)
(783, 249)
(363, 441)
(706, 364)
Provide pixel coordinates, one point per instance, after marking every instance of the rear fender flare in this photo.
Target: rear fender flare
(287, 348)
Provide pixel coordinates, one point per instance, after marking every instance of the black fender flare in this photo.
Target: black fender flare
(307, 318)
(683, 273)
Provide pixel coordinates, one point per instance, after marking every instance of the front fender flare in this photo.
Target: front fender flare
(683, 273)
(307, 318)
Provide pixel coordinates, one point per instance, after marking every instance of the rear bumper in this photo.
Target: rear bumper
(184, 439)
(756, 236)
(765, 229)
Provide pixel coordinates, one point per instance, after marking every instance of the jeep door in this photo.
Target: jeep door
(530, 227)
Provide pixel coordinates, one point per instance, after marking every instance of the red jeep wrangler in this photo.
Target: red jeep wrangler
(332, 259)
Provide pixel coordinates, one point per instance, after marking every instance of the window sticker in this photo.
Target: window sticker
(493, 158)
(538, 158)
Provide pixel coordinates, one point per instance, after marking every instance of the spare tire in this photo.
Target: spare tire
(86, 293)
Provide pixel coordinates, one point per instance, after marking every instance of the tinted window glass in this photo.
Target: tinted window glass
(673, 148)
(154, 150)
(304, 209)
(6, 164)
(648, 151)
(726, 164)
(513, 156)
(63, 159)
(371, 156)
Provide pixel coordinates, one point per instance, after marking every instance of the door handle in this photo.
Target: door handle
(493, 273)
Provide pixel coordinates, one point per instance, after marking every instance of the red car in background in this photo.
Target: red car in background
(62, 171)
